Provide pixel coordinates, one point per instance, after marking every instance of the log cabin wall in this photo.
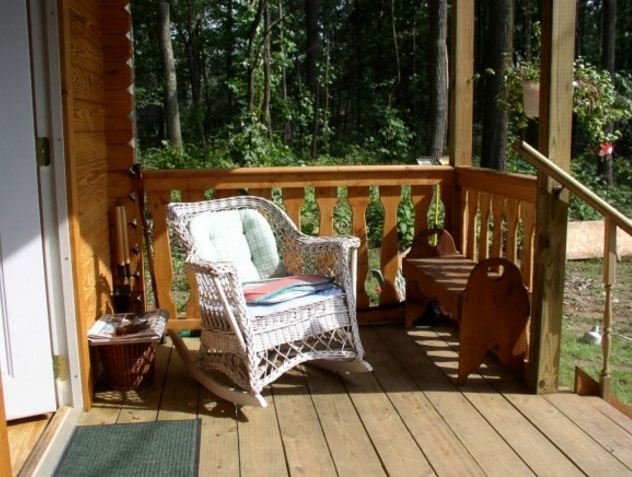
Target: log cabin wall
(96, 75)
(116, 23)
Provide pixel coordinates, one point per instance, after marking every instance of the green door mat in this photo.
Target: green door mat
(161, 448)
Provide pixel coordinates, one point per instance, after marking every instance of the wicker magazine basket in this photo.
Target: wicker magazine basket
(128, 360)
(128, 366)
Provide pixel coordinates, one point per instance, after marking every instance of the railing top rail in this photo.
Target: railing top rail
(548, 167)
(301, 176)
(508, 184)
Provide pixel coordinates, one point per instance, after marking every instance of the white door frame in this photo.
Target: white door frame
(46, 67)
(46, 70)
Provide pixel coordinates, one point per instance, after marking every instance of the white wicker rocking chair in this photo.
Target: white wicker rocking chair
(250, 345)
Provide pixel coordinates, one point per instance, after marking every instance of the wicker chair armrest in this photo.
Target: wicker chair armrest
(329, 243)
(224, 275)
(322, 255)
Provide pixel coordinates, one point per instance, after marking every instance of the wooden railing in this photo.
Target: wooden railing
(505, 198)
(613, 220)
(292, 181)
(497, 213)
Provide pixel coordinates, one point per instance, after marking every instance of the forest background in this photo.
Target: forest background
(233, 83)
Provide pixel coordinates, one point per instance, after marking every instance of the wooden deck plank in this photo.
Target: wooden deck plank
(397, 450)
(261, 450)
(106, 408)
(589, 456)
(181, 391)
(442, 447)
(603, 430)
(219, 440)
(542, 457)
(348, 441)
(23, 436)
(610, 411)
(407, 418)
(306, 449)
(488, 448)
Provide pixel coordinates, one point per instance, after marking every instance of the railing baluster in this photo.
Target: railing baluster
(162, 251)
(513, 211)
(498, 214)
(293, 201)
(421, 197)
(326, 198)
(359, 201)
(390, 196)
(609, 269)
(224, 193)
(446, 189)
(472, 206)
(483, 240)
(527, 215)
(259, 192)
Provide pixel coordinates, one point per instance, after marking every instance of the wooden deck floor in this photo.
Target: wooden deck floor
(406, 418)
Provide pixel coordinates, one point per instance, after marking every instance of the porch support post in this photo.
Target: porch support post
(556, 101)
(461, 83)
(461, 90)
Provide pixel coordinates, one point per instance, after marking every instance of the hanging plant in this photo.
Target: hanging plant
(595, 101)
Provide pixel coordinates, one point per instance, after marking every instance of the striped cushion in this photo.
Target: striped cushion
(262, 243)
(219, 237)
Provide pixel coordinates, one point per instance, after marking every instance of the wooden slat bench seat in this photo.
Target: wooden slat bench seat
(487, 298)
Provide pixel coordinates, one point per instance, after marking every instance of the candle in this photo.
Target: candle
(125, 238)
(120, 226)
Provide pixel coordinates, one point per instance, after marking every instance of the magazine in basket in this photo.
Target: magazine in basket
(121, 328)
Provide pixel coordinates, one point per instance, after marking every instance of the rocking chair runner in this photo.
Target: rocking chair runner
(244, 239)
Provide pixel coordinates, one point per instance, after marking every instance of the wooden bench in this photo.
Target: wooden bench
(487, 298)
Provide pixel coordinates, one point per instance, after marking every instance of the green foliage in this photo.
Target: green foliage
(583, 169)
(596, 104)
(392, 141)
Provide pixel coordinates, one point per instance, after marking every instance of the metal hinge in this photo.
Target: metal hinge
(60, 367)
(42, 145)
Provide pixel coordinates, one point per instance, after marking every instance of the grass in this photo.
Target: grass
(583, 308)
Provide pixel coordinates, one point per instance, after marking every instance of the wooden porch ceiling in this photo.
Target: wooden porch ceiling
(406, 418)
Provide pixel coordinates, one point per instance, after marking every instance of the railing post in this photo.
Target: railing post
(609, 269)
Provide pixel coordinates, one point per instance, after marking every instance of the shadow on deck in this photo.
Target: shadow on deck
(408, 417)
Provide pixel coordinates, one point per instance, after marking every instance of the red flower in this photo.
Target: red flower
(605, 149)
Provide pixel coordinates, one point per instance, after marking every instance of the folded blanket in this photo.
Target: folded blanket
(278, 290)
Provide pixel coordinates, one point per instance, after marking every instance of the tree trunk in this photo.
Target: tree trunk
(608, 36)
(170, 85)
(312, 11)
(266, 69)
(195, 71)
(438, 78)
(230, 53)
(252, 55)
(287, 125)
(398, 67)
(499, 48)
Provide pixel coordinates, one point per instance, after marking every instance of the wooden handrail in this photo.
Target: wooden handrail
(292, 177)
(612, 219)
(548, 167)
